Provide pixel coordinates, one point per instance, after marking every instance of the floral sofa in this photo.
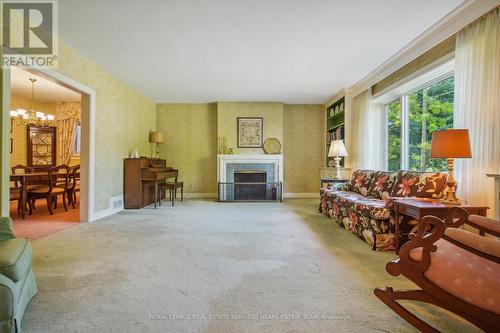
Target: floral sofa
(363, 206)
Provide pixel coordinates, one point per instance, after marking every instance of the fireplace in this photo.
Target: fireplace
(246, 177)
(250, 185)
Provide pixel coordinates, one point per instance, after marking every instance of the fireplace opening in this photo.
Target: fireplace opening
(250, 185)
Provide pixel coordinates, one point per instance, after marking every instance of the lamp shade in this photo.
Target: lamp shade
(155, 137)
(337, 148)
(452, 143)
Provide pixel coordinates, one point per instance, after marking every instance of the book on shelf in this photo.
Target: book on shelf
(337, 134)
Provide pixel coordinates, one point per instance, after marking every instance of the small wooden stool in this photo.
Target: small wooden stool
(172, 188)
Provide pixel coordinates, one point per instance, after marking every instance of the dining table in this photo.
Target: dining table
(30, 178)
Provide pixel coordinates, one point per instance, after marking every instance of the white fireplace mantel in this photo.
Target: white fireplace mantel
(223, 160)
(496, 195)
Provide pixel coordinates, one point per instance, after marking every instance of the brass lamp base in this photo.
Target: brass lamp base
(450, 197)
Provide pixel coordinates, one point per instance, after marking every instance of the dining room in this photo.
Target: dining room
(45, 144)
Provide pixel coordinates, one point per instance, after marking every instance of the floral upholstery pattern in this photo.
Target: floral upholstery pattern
(368, 218)
(373, 208)
(381, 185)
(364, 206)
(360, 181)
(419, 184)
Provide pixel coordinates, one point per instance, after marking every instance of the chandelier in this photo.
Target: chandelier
(32, 117)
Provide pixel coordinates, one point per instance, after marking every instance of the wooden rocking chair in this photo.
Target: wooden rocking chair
(456, 270)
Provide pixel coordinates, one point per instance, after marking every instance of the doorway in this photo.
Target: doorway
(83, 145)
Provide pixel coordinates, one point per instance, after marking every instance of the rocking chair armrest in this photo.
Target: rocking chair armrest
(488, 248)
(484, 224)
(430, 230)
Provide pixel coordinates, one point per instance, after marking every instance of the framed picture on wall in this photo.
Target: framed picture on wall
(250, 132)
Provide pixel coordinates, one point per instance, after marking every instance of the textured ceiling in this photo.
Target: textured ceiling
(294, 51)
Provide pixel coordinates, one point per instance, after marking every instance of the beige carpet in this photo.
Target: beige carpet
(203, 266)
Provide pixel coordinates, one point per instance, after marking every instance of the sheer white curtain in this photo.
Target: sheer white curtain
(369, 129)
(477, 105)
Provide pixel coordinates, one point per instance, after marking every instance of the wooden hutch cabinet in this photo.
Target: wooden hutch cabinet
(41, 146)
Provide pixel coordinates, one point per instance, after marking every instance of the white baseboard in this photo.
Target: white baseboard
(110, 211)
(294, 195)
(286, 195)
(104, 213)
(115, 206)
(199, 195)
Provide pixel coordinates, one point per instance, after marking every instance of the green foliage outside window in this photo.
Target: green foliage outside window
(394, 135)
(429, 109)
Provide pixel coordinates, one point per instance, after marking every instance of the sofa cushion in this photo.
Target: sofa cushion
(419, 184)
(6, 228)
(465, 275)
(360, 181)
(381, 184)
(345, 199)
(374, 208)
(15, 258)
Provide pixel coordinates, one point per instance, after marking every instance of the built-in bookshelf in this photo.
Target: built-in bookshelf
(335, 127)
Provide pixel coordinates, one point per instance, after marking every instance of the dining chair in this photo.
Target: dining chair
(74, 184)
(32, 183)
(57, 186)
(25, 169)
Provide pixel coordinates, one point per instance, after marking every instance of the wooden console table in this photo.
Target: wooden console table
(418, 208)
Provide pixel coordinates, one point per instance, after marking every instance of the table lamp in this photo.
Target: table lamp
(337, 151)
(156, 137)
(450, 144)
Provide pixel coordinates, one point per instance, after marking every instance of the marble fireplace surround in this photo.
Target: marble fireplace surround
(228, 164)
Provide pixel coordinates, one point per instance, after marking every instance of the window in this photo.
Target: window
(411, 122)
(394, 135)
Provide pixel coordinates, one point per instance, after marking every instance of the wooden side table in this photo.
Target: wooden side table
(324, 180)
(418, 208)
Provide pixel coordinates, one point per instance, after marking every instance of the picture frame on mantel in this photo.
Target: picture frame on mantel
(250, 132)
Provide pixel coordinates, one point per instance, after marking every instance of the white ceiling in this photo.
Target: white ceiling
(45, 91)
(294, 51)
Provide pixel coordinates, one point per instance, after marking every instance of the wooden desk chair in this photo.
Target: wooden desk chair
(455, 269)
(58, 185)
(74, 184)
(172, 190)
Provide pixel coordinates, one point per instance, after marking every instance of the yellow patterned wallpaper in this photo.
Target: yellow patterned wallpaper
(61, 110)
(228, 112)
(123, 120)
(190, 133)
(303, 149)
